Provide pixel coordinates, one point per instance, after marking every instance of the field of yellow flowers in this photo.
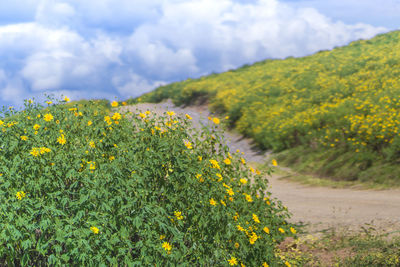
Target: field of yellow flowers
(85, 184)
(345, 102)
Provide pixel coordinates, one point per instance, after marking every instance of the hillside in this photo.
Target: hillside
(335, 113)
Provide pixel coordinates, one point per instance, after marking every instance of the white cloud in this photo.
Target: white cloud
(124, 48)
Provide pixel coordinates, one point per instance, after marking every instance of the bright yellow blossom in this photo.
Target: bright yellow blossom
(167, 246)
(61, 140)
(213, 202)
(48, 117)
(216, 120)
(243, 181)
(255, 218)
(114, 104)
(24, 138)
(20, 195)
(188, 145)
(94, 229)
(116, 116)
(227, 161)
(92, 144)
(178, 215)
(233, 261)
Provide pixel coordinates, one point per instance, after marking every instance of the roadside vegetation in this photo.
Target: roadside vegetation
(340, 108)
(85, 184)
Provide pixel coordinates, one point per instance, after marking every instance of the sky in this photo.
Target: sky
(116, 49)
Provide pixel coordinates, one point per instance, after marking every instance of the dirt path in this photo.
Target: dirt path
(318, 207)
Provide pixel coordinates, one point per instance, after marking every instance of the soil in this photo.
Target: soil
(319, 208)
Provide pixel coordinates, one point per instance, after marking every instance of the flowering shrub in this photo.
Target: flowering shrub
(81, 185)
(345, 101)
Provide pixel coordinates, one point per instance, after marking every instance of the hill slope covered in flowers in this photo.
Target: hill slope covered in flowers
(83, 185)
(335, 112)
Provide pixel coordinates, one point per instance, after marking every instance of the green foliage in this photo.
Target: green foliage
(346, 100)
(82, 186)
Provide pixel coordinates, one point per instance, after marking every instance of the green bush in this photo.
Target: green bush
(82, 186)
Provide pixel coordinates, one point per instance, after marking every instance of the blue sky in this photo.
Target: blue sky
(117, 49)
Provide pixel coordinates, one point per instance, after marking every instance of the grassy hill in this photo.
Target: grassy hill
(334, 113)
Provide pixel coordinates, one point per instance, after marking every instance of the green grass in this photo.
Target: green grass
(337, 169)
(340, 247)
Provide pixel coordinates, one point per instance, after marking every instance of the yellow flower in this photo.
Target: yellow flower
(227, 161)
(178, 215)
(223, 203)
(94, 229)
(240, 228)
(116, 116)
(124, 103)
(248, 197)
(213, 202)
(274, 162)
(35, 152)
(188, 116)
(253, 238)
(266, 229)
(281, 230)
(237, 245)
(24, 138)
(188, 145)
(89, 123)
(255, 218)
(230, 191)
(293, 230)
(111, 158)
(243, 160)
(243, 181)
(233, 261)
(92, 144)
(200, 158)
(48, 117)
(142, 115)
(162, 237)
(36, 127)
(49, 102)
(114, 104)
(288, 264)
(92, 165)
(66, 99)
(61, 140)
(214, 164)
(170, 113)
(1, 123)
(20, 195)
(265, 264)
(167, 246)
(215, 120)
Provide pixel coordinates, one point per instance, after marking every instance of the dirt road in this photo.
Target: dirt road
(318, 207)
